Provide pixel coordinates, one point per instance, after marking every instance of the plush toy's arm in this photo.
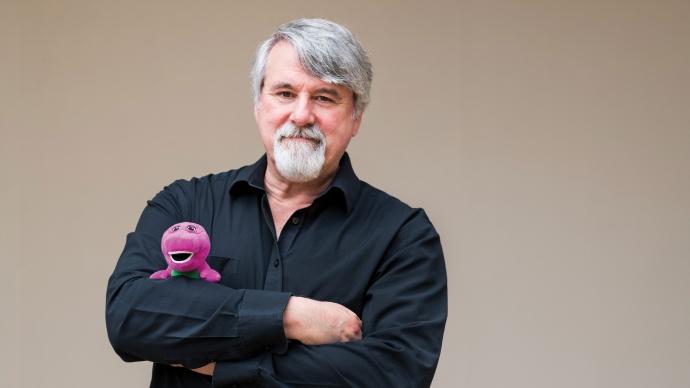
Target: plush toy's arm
(209, 274)
(162, 274)
(180, 320)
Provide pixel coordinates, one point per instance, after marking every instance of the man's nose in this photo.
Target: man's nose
(302, 114)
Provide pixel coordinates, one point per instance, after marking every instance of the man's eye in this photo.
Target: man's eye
(284, 94)
(323, 99)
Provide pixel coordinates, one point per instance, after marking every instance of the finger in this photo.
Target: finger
(352, 336)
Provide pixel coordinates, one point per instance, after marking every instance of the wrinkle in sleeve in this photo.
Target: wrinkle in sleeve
(403, 319)
(181, 320)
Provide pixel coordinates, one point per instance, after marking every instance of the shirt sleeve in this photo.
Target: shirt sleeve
(180, 320)
(403, 322)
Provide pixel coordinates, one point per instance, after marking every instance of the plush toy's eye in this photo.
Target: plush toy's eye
(176, 228)
(191, 228)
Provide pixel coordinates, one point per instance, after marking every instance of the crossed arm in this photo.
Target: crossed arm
(238, 334)
(311, 322)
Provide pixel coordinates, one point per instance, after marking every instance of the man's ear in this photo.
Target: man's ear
(356, 124)
(256, 110)
(257, 101)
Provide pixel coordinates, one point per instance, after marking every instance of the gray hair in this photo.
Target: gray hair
(326, 50)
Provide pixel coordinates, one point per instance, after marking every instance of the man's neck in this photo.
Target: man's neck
(294, 194)
(286, 197)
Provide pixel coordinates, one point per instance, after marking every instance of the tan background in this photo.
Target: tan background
(548, 140)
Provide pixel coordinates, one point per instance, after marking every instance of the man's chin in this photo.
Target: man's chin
(295, 175)
(299, 159)
(299, 172)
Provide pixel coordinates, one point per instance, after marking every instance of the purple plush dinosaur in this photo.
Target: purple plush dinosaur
(185, 247)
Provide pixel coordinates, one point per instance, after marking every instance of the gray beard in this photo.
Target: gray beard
(298, 160)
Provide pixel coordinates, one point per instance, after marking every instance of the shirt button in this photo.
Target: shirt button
(276, 262)
(295, 220)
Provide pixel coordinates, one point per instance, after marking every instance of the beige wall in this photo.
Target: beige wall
(548, 140)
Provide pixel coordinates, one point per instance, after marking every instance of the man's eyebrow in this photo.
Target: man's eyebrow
(282, 85)
(329, 91)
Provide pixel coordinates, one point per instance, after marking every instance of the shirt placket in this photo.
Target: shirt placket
(274, 270)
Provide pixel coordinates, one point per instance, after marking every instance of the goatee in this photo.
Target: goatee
(299, 153)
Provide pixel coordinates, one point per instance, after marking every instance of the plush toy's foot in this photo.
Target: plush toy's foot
(162, 274)
(210, 275)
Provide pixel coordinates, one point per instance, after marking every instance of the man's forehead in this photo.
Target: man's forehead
(284, 70)
(283, 57)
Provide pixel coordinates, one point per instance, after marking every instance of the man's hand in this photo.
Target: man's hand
(316, 323)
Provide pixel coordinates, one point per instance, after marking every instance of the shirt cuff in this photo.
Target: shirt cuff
(233, 374)
(261, 321)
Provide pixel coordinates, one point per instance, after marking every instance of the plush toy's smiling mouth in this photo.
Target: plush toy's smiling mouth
(179, 257)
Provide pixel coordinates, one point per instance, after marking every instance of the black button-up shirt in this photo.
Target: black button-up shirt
(354, 245)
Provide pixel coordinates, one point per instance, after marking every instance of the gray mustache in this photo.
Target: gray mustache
(311, 132)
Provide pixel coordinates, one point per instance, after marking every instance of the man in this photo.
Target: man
(326, 281)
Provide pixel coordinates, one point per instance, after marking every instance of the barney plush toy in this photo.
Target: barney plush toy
(185, 247)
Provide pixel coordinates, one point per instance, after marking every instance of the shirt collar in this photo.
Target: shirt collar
(345, 181)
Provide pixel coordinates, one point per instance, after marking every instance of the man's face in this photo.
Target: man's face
(290, 100)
